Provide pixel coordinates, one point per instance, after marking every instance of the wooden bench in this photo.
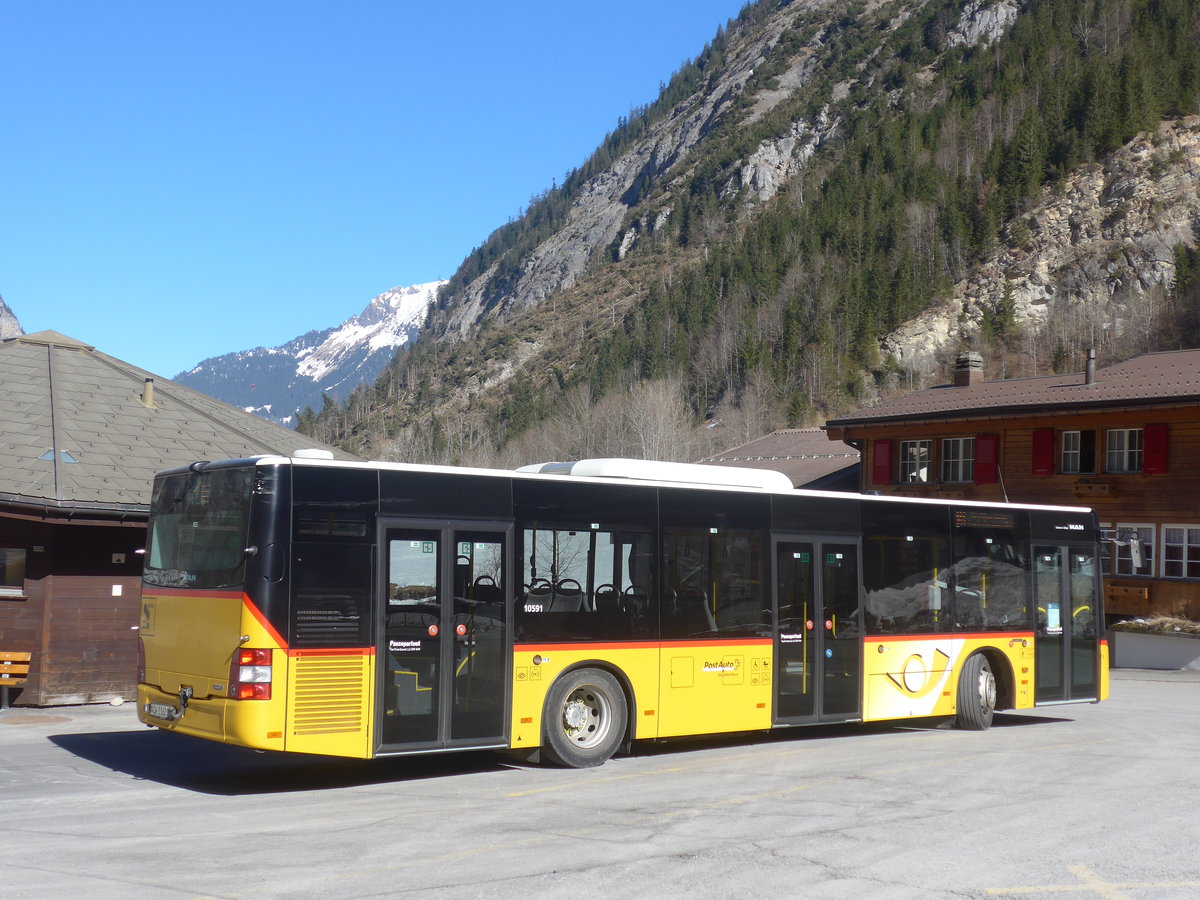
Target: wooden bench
(14, 669)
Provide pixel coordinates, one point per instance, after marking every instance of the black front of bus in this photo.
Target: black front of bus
(212, 657)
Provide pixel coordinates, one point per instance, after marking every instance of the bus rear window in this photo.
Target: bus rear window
(198, 529)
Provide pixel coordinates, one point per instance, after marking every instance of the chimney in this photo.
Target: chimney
(968, 369)
(148, 394)
(1089, 373)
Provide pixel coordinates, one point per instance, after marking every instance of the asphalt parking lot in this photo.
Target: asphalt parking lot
(1073, 802)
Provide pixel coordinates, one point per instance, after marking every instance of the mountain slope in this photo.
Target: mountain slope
(823, 173)
(1096, 254)
(277, 382)
(9, 326)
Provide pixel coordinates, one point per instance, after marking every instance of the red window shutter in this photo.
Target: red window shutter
(881, 469)
(1043, 451)
(1154, 449)
(987, 456)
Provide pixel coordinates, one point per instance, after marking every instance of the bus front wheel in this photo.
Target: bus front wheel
(976, 694)
(584, 719)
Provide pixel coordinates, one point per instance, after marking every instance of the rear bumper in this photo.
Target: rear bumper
(244, 723)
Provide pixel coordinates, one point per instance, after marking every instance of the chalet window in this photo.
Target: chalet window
(1124, 559)
(1078, 452)
(1124, 450)
(958, 460)
(12, 571)
(1181, 551)
(914, 462)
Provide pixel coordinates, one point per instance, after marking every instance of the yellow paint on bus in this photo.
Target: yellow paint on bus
(911, 676)
(676, 688)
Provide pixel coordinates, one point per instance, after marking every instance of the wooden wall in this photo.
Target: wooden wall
(89, 650)
(79, 611)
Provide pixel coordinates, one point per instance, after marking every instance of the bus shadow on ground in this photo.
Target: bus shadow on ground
(211, 768)
(1014, 720)
(801, 735)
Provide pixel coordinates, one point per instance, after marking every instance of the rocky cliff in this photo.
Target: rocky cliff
(628, 199)
(632, 197)
(1098, 250)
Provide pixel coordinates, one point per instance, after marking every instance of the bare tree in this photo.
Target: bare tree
(659, 422)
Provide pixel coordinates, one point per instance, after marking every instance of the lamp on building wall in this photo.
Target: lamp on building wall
(1126, 537)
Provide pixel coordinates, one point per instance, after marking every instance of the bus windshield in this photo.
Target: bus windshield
(198, 528)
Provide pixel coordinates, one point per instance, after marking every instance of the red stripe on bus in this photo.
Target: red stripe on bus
(642, 645)
(546, 648)
(950, 636)
(337, 651)
(262, 620)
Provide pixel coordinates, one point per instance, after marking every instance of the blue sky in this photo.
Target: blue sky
(181, 180)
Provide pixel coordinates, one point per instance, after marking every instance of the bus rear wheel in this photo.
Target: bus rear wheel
(584, 719)
(976, 694)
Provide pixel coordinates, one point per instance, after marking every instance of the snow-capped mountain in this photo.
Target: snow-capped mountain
(275, 383)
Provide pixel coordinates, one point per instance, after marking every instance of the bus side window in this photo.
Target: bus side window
(991, 574)
(581, 584)
(906, 569)
(713, 582)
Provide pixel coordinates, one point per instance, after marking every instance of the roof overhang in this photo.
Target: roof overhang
(838, 428)
(39, 509)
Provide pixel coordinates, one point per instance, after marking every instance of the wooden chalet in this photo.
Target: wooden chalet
(1124, 440)
(81, 437)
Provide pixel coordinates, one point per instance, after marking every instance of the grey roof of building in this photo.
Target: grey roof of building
(75, 434)
(1154, 379)
(805, 455)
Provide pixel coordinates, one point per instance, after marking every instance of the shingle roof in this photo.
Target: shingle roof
(804, 455)
(75, 433)
(1153, 379)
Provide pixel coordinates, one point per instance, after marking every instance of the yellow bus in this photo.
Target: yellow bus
(567, 610)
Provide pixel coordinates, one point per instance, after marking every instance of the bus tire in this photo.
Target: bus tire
(584, 720)
(976, 694)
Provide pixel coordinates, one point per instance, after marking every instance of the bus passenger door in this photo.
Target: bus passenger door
(1067, 658)
(818, 634)
(445, 647)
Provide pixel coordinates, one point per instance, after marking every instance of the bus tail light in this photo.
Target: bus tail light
(250, 675)
(141, 662)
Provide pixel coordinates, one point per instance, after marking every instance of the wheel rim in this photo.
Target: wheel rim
(987, 689)
(586, 716)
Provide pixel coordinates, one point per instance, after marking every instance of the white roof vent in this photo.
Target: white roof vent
(313, 453)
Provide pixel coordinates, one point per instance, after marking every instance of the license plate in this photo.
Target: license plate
(161, 711)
